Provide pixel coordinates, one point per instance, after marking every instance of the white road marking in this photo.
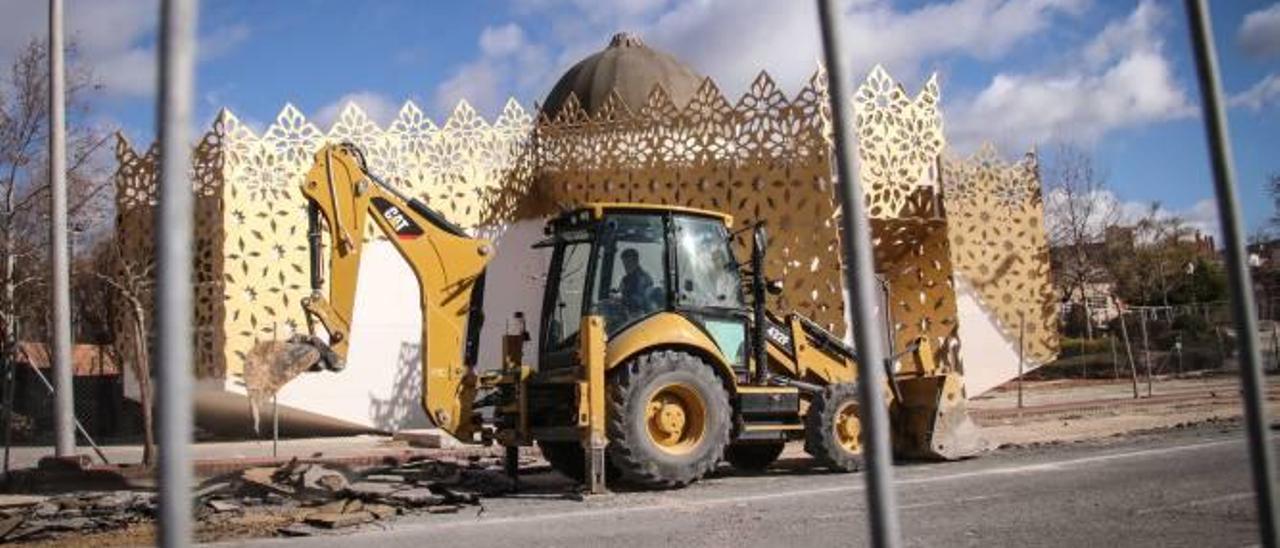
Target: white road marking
(1059, 465)
(1198, 502)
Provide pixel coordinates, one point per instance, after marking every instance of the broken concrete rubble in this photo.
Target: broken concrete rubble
(74, 513)
(318, 497)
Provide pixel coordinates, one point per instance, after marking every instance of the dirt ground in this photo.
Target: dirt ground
(1074, 410)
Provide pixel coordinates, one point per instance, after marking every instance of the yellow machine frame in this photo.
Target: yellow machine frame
(449, 266)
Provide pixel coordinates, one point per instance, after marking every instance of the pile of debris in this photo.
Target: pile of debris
(308, 497)
(325, 496)
(35, 517)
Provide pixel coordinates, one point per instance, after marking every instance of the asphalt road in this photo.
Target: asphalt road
(1181, 488)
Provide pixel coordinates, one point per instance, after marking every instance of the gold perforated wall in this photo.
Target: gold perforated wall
(764, 155)
(996, 220)
(135, 182)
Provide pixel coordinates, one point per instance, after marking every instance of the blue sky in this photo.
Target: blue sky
(1112, 76)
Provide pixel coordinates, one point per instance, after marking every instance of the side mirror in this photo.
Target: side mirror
(760, 238)
(774, 287)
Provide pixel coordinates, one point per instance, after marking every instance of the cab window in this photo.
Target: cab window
(630, 269)
(706, 270)
(566, 313)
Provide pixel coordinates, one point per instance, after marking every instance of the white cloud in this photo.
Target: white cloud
(1264, 93)
(1201, 217)
(508, 64)
(1259, 34)
(1121, 79)
(733, 40)
(114, 39)
(477, 83)
(223, 40)
(381, 109)
(107, 34)
(504, 40)
(1110, 210)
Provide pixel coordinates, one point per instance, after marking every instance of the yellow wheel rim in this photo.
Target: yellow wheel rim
(676, 418)
(848, 427)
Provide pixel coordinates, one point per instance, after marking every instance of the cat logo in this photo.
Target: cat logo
(403, 226)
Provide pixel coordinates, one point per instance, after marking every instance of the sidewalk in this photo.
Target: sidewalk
(1074, 410)
(217, 457)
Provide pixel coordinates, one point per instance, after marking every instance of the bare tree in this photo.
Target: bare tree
(24, 182)
(1078, 212)
(1273, 188)
(133, 283)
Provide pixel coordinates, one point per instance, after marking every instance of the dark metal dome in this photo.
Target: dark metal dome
(630, 67)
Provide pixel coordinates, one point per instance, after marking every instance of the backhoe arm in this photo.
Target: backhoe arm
(448, 264)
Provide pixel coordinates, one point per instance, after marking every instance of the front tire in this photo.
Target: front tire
(833, 428)
(668, 419)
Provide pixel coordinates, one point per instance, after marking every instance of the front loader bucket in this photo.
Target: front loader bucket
(933, 420)
(272, 364)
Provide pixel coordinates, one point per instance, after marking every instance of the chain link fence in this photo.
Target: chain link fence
(1175, 340)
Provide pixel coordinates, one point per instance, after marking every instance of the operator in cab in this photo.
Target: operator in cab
(636, 284)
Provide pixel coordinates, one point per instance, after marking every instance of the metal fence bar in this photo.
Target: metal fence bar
(860, 278)
(60, 286)
(174, 314)
(79, 427)
(1244, 313)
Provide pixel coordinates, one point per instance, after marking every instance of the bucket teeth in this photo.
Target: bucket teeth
(955, 436)
(272, 364)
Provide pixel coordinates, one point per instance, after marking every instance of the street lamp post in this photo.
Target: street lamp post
(60, 331)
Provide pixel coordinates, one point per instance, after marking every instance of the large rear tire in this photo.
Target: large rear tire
(833, 428)
(668, 418)
(753, 457)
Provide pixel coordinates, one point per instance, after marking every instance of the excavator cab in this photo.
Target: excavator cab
(626, 263)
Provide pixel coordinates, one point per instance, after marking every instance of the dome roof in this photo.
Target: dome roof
(630, 67)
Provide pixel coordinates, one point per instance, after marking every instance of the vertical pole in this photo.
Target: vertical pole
(1215, 123)
(60, 332)
(275, 425)
(1146, 350)
(1115, 365)
(1084, 361)
(859, 277)
(1275, 348)
(1022, 326)
(592, 387)
(11, 364)
(1128, 351)
(174, 313)
(1180, 368)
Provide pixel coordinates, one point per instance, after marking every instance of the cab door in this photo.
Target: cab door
(708, 284)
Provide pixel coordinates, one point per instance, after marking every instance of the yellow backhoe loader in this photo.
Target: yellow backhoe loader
(652, 365)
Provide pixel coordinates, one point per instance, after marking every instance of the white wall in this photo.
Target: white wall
(381, 384)
(990, 358)
(381, 387)
(515, 281)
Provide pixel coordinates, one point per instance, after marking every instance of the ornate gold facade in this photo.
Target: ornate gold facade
(764, 156)
(996, 225)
